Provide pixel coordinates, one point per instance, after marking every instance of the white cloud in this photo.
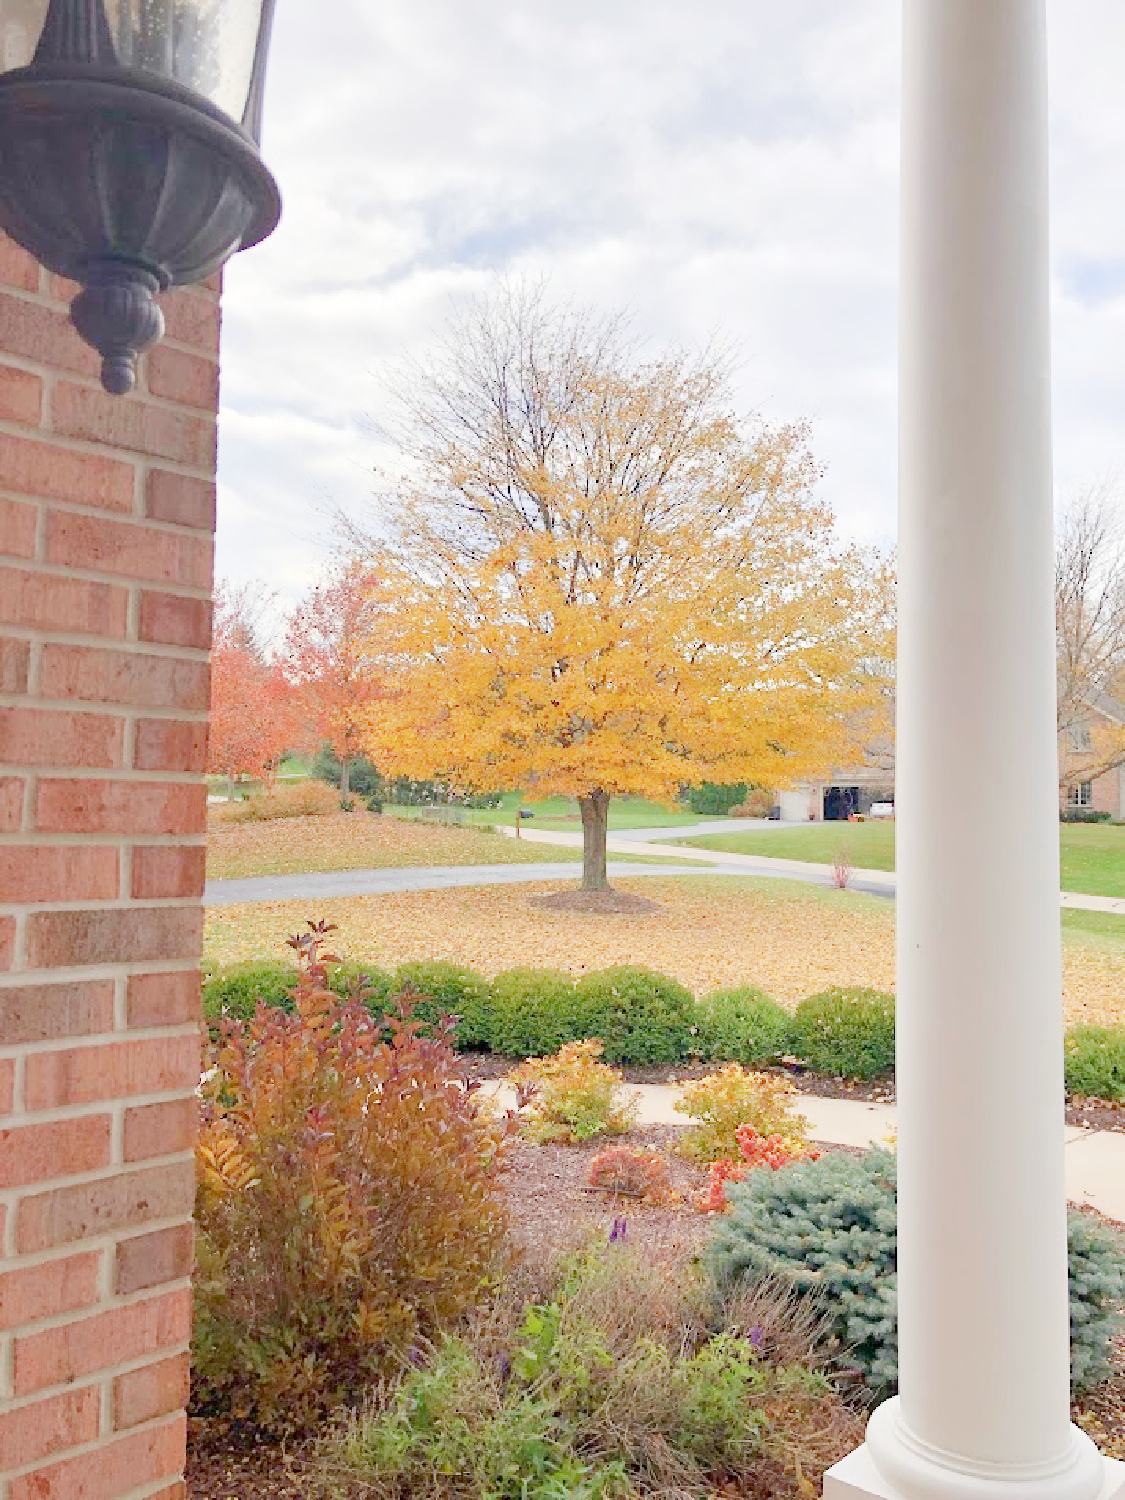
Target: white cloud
(727, 167)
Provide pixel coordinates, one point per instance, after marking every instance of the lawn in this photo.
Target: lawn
(364, 841)
(561, 815)
(791, 940)
(1092, 854)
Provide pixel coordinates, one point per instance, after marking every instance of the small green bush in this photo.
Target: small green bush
(1082, 815)
(712, 799)
(639, 1016)
(234, 993)
(742, 1025)
(828, 1229)
(1095, 1061)
(534, 1012)
(850, 1032)
(450, 989)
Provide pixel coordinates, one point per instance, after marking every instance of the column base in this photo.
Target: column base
(906, 1470)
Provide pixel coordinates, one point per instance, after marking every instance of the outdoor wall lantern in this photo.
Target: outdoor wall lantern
(129, 152)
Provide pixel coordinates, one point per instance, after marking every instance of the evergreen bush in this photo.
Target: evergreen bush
(742, 1025)
(450, 989)
(1095, 1061)
(534, 1012)
(234, 992)
(713, 799)
(828, 1229)
(850, 1032)
(638, 1015)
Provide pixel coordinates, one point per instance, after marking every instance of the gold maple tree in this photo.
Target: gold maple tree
(601, 582)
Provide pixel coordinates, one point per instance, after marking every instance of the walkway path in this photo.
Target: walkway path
(1095, 1159)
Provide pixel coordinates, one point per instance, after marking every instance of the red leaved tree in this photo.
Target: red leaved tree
(327, 665)
(251, 717)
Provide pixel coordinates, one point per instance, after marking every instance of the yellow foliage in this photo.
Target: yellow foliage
(606, 583)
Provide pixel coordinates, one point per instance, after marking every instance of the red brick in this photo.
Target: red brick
(61, 288)
(180, 499)
(79, 1348)
(152, 1391)
(171, 745)
(31, 466)
(58, 1286)
(191, 319)
(7, 946)
(45, 335)
(34, 1432)
(161, 1129)
(7, 1084)
(183, 377)
(36, 1153)
(127, 1200)
(82, 411)
(21, 396)
(87, 1075)
(154, 1259)
(65, 805)
(17, 266)
(49, 601)
(175, 620)
(163, 871)
(11, 803)
(18, 524)
(122, 547)
(163, 999)
(114, 1469)
(15, 658)
(92, 675)
(57, 737)
(126, 935)
(49, 1012)
(55, 872)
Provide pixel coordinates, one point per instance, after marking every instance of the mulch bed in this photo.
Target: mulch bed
(552, 1212)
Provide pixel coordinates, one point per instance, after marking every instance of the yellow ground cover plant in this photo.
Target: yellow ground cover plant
(731, 1098)
(571, 1097)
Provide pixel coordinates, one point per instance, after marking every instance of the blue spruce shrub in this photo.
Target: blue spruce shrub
(828, 1229)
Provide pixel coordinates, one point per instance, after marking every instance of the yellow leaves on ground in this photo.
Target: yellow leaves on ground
(356, 841)
(788, 940)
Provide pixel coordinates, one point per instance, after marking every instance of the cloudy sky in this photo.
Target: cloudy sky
(715, 166)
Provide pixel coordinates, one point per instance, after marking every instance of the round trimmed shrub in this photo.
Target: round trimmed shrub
(534, 1012)
(1095, 1061)
(450, 989)
(233, 993)
(640, 1016)
(828, 1229)
(742, 1025)
(850, 1032)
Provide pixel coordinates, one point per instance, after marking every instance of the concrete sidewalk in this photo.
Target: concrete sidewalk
(1095, 1159)
(871, 882)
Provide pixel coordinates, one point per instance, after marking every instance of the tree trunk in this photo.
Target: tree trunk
(345, 782)
(595, 815)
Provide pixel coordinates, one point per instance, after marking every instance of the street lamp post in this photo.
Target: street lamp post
(129, 152)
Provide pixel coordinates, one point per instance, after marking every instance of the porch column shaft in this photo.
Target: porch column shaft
(983, 1319)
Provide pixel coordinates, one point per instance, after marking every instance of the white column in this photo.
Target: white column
(982, 1412)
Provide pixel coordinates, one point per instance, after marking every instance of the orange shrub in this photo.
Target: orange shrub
(348, 1202)
(634, 1172)
(733, 1097)
(757, 1150)
(571, 1096)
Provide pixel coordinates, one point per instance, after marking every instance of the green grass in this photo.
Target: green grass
(1093, 854)
(1102, 930)
(561, 815)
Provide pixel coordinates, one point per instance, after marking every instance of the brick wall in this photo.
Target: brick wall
(106, 521)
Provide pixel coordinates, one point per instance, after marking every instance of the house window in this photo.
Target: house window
(1078, 737)
(1081, 795)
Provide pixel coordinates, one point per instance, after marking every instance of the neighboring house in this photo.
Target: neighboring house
(1084, 749)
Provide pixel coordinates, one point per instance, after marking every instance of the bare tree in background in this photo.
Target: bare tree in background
(1090, 635)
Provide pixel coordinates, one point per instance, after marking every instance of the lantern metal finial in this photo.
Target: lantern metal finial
(123, 175)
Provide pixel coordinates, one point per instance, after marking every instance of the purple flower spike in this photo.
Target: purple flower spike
(757, 1337)
(617, 1233)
